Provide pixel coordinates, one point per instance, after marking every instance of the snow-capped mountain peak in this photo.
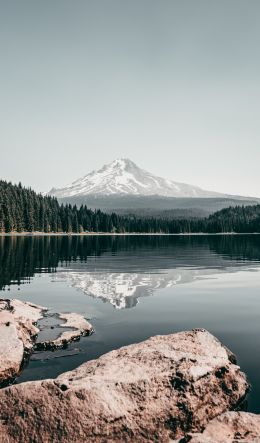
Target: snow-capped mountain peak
(124, 177)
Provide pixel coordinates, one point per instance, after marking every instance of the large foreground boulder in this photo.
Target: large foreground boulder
(153, 391)
(18, 332)
(231, 427)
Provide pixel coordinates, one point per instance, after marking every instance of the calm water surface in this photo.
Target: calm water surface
(134, 287)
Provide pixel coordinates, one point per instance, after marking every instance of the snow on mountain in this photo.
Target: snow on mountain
(124, 177)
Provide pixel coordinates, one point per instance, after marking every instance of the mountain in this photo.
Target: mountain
(123, 187)
(123, 177)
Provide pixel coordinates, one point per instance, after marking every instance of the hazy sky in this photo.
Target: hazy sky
(172, 84)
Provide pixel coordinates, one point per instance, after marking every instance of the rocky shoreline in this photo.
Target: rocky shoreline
(19, 331)
(179, 388)
(80, 328)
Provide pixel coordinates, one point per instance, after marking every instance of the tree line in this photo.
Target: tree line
(24, 210)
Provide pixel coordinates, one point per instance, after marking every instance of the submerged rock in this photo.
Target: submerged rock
(154, 391)
(17, 335)
(79, 325)
(230, 427)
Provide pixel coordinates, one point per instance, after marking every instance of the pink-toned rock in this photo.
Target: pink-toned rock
(156, 390)
(231, 427)
(79, 327)
(17, 334)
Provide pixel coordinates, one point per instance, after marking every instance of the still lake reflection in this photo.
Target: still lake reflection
(133, 287)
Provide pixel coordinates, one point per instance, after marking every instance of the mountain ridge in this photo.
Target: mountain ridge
(123, 177)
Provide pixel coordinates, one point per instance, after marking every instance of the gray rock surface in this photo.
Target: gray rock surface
(154, 391)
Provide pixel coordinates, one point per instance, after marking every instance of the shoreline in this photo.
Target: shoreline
(118, 234)
(208, 370)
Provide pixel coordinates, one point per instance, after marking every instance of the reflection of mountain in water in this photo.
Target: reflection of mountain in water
(122, 269)
(124, 289)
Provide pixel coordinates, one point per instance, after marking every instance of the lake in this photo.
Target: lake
(133, 287)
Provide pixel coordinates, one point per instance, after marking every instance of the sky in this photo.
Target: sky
(174, 85)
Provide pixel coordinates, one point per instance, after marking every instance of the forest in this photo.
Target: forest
(24, 210)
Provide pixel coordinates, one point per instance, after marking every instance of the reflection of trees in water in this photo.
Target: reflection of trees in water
(22, 257)
(236, 247)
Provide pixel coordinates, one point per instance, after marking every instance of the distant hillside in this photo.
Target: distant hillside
(156, 205)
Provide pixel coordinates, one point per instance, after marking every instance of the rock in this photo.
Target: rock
(17, 335)
(80, 328)
(230, 427)
(153, 391)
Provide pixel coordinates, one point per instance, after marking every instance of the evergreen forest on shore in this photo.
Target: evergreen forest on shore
(24, 210)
